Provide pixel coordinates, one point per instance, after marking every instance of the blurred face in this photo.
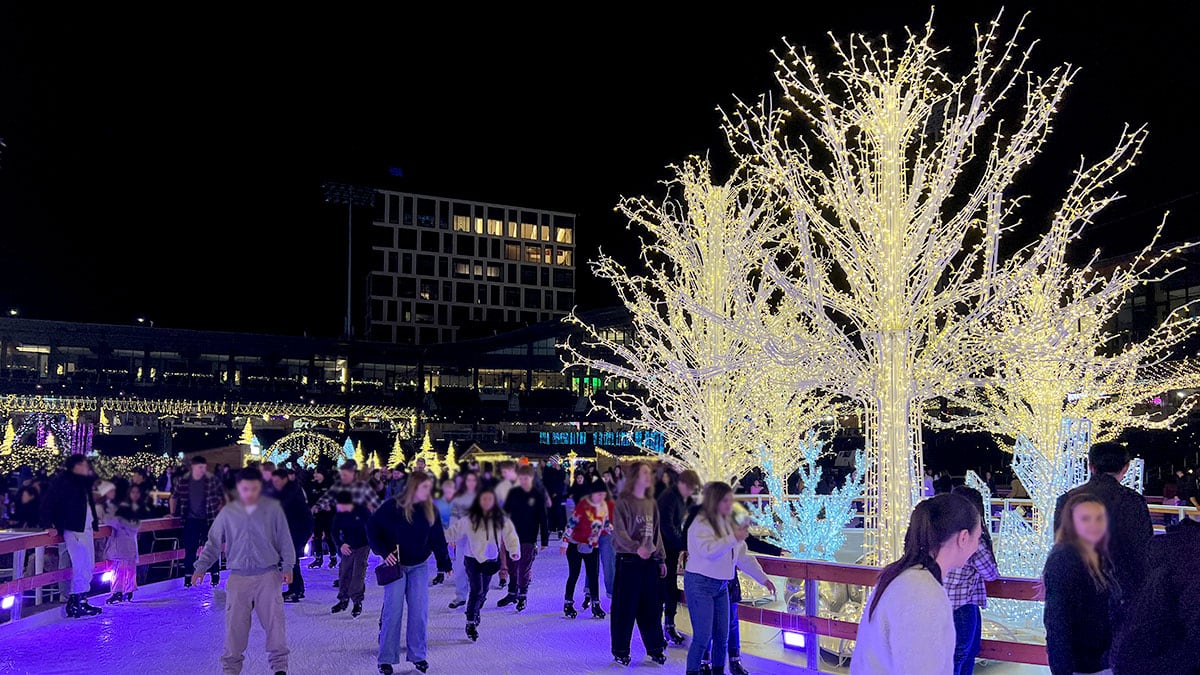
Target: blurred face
(278, 482)
(423, 490)
(397, 474)
(198, 471)
(644, 477)
(26, 497)
(81, 469)
(249, 491)
(347, 476)
(266, 471)
(318, 476)
(686, 490)
(135, 493)
(725, 506)
(487, 501)
(508, 474)
(1091, 522)
(420, 465)
(110, 495)
(448, 490)
(526, 482)
(471, 481)
(596, 498)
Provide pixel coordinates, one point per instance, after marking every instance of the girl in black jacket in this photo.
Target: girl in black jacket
(405, 531)
(1081, 591)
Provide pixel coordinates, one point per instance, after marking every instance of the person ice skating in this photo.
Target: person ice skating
(526, 506)
(907, 625)
(716, 547)
(488, 533)
(581, 542)
(196, 497)
(349, 531)
(121, 547)
(673, 508)
(69, 510)
(967, 591)
(360, 490)
(458, 509)
(300, 523)
(641, 564)
(405, 531)
(322, 538)
(259, 554)
(1082, 590)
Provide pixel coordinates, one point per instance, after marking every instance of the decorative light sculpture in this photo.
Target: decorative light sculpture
(308, 448)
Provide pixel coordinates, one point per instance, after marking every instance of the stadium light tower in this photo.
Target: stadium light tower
(350, 196)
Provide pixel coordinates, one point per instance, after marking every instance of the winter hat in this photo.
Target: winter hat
(594, 487)
(105, 487)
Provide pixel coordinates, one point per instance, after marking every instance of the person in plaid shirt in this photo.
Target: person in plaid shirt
(967, 592)
(360, 490)
(196, 497)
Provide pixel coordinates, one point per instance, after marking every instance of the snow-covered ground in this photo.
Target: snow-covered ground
(176, 630)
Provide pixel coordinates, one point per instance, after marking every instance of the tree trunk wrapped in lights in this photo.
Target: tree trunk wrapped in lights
(686, 366)
(895, 183)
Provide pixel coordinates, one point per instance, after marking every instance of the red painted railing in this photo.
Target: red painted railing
(814, 626)
(19, 544)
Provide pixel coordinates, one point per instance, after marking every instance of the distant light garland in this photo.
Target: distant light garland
(307, 447)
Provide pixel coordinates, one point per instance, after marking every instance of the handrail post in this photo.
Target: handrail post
(18, 572)
(812, 640)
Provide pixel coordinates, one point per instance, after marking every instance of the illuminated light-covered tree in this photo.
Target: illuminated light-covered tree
(247, 436)
(452, 459)
(359, 458)
(348, 449)
(397, 451)
(808, 524)
(689, 371)
(10, 437)
(896, 181)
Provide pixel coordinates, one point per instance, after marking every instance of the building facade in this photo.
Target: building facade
(444, 270)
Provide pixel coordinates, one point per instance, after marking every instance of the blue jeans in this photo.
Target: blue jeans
(708, 607)
(608, 561)
(412, 589)
(462, 583)
(968, 631)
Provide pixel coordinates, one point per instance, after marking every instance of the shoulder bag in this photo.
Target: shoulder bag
(386, 574)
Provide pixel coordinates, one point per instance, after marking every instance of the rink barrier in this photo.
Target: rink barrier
(19, 545)
(813, 627)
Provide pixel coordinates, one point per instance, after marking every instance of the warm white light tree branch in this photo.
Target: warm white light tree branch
(895, 178)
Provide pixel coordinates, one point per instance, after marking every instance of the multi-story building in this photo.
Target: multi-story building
(443, 270)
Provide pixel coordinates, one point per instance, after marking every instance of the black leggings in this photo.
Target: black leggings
(592, 561)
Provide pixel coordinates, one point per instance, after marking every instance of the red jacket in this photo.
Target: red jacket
(587, 523)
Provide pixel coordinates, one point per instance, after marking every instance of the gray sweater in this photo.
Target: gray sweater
(254, 542)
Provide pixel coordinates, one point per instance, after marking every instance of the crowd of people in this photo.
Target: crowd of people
(1109, 584)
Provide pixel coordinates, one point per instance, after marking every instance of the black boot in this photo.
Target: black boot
(333, 559)
(658, 657)
(507, 600)
(72, 607)
(736, 667)
(85, 609)
(705, 669)
(587, 602)
(422, 666)
(569, 609)
(356, 610)
(472, 630)
(673, 637)
(129, 597)
(340, 606)
(623, 660)
(385, 669)
(520, 603)
(114, 599)
(597, 612)
(317, 562)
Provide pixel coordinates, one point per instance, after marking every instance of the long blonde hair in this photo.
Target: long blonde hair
(406, 498)
(714, 492)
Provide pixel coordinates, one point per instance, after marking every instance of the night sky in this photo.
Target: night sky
(169, 164)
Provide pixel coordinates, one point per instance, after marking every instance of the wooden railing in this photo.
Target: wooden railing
(19, 545)
(814, 626)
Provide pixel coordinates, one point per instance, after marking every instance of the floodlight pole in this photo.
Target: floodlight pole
(351, 196)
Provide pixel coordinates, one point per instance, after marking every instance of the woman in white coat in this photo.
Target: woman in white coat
(483, 529)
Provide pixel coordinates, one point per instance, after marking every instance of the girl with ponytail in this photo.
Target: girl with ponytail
(908, 625)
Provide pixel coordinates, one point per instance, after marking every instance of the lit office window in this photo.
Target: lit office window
(512, 229)
(512, 251)
(478, 269)
(494, 272)
(545, 233)
(533, 254)
(529, 231)
(565, 235)
(547, 254)
(462, 224)
(566, 257)
(495, 228)
(479, 226)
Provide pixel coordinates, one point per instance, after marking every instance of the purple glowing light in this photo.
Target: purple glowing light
(793, 640)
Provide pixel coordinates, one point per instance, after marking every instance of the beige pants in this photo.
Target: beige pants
(259, 594)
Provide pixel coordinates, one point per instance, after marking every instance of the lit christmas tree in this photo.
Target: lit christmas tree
(247, 436)
(451, 459)
(359, 457)
(10, 436)
(397, 451)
